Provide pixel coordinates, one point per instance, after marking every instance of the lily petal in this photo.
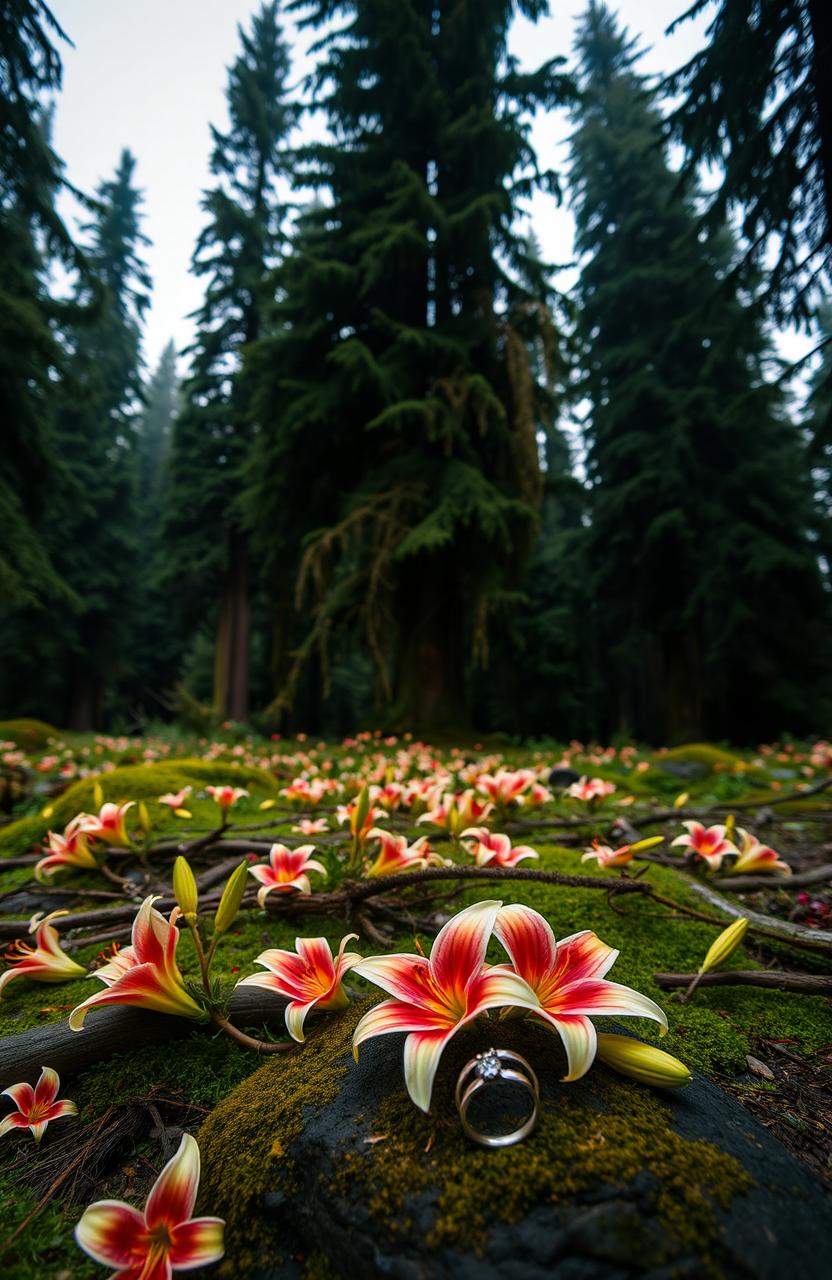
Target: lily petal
(173, 1195)
(422, 1052)
(112, 1233)
(598, 996)
(458, 952)
(46, 1089)
(196, 1243)
(394, 1015)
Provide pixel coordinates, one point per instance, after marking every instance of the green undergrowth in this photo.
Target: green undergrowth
(45, 1246)
(712, 1033)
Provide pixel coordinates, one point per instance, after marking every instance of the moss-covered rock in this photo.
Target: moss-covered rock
(29, 734)
(317, 1152)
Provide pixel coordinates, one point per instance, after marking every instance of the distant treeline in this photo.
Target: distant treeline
(363, 505)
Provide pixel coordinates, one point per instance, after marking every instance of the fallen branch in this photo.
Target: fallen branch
(808, 983)
(796, 935)
(113, 1030)
(817, 875)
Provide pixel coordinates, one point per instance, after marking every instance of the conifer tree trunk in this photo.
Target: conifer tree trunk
(231, 657)
(430, 675)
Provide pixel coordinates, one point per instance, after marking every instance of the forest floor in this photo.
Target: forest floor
(662, 909)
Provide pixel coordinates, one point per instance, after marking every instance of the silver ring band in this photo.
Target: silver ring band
(488, 1069)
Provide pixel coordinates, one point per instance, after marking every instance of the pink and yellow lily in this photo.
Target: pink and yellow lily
(287, 871)
(151, 1244)
(69, 850)
(433, 998)
(708, 843)
(108, 825)
(396, 855)
(46, 961)
(307, 977)
(145, 973)
(226, 797)
(606, 856)
(490, 849)
(38, 1107)
(757, 858)
(568, 981)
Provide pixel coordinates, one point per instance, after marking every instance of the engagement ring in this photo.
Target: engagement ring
(497, 1067)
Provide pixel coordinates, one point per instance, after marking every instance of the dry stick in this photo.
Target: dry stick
(47, 1196)
(808, 983)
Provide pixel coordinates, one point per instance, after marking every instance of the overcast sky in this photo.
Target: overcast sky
(151, 76)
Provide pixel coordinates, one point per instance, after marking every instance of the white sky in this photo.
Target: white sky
(151, 75)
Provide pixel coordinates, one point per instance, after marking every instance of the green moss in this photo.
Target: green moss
(245, 1142)
(29, 734)
(201, 1070)
(146, 782)
(704, 753)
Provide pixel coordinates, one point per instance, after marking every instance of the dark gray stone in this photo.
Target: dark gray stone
(781, 1224)
(688, 769)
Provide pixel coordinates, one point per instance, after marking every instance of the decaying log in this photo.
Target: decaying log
(116, 1029)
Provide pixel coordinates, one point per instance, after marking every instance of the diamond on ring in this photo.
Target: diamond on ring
(488, 1065)
(497, 1066)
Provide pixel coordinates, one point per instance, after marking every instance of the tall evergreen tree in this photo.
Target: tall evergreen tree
(757, 103)
(711, 605)
(156, 639)
(30, 357)
(207, 548)
(93, 519)
(396, 473)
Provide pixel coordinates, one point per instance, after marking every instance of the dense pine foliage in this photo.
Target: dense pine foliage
(404, 480)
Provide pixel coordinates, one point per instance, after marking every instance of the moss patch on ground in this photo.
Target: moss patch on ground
(146, 782)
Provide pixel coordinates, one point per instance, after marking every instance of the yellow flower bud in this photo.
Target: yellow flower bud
(184, 887)
(726, 943)
(643, 1062)
(681, 800)
(97, 795)
(730, 823)
(362, 808)
(48, 811)
(649, 843)
(144, 816)
(183, 813)
(265, 805)
(232, 896)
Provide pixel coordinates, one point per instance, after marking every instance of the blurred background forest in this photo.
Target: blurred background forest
(400, 478)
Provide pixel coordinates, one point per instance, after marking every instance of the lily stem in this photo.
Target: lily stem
(259, 1046)
(200, 954)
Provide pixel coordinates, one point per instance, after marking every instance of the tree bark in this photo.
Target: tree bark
(114, 1030)
(430, 676)
(231, 661)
